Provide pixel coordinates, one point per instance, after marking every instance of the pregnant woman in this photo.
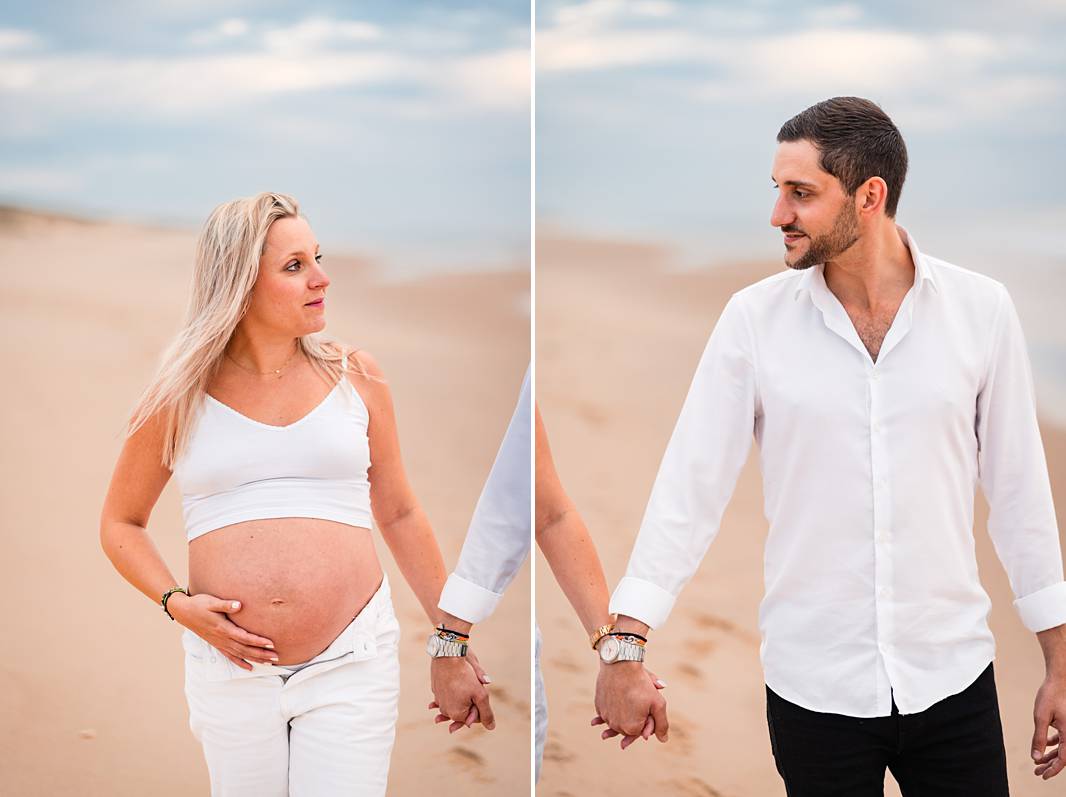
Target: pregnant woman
(285, 446)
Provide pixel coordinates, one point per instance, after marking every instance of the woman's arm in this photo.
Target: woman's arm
(403, 525)
(565, 542)
(138, 479)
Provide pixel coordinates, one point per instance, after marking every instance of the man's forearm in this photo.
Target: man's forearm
(1053, 643)
(626, 623)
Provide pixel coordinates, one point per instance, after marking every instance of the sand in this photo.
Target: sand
(618, 337)
(91, 688)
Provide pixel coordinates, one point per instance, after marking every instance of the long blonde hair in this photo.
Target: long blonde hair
(225, 269)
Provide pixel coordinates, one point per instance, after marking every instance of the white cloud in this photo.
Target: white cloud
(16, 39)
(315, 54)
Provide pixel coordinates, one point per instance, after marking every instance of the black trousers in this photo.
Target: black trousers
(954, 747)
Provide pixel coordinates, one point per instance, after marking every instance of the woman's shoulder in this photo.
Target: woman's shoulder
(365, 375)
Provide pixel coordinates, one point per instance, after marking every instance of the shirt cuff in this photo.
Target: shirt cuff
(466, 600)
(1043, 609)
(642, 600)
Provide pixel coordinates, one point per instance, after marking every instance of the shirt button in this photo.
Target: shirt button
(885, 592)
(880, 536)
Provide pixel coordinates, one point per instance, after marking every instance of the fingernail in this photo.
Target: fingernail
(1036, 753)
(660, 682)
(486, 678)
(273, 658)
(269, 645)
(235, 605)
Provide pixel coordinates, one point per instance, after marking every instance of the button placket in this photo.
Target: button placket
(881, 531)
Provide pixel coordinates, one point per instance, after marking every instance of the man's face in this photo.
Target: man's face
(817, 218)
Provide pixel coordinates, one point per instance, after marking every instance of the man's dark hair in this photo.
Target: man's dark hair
(857, 141)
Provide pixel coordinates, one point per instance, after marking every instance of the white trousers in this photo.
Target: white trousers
(326, 729)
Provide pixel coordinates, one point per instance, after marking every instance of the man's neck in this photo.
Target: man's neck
(877, 271)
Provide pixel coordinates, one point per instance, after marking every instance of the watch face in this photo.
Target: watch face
(609, 648)
(433, 645)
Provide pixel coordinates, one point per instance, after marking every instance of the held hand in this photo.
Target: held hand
(205, 616)
(459, 693)
(1049, 753)
(629, 703)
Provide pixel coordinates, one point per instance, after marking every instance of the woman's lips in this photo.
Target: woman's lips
(319, 303)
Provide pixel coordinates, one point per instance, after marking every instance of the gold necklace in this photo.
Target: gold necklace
(276, 371)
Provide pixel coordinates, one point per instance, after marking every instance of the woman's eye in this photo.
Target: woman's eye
(318, 259)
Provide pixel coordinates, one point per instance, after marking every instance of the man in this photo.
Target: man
(881, 384)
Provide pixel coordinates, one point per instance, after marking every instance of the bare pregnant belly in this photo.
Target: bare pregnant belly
(300, 581)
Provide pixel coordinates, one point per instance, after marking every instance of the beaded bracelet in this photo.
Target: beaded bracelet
(166, 597)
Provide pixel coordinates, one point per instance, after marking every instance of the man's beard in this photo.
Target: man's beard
(845, 232)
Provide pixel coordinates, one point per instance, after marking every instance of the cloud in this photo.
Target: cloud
(250, 63)
(13, 39)
(940, 78)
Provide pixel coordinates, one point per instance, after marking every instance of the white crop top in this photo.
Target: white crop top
(235, 468)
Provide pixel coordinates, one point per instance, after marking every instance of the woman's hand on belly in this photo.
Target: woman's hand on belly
(206, 616)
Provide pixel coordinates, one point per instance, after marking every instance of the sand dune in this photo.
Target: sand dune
(618, 339)
(91, 671)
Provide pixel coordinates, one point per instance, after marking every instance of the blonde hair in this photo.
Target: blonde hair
(228, 251)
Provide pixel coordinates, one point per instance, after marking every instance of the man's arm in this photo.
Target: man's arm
(698, 473)
(1021, 521)
(696, 479)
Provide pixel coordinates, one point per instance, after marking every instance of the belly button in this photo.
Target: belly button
(276, 602)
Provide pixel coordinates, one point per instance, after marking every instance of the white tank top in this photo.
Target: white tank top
(235, 468)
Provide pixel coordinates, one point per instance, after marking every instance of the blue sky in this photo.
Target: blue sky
(403, 128)
(657, 119)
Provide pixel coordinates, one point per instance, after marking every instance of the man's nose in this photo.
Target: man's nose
(781, 214)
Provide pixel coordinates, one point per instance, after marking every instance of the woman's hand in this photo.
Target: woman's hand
(458, 692)
(205, 616)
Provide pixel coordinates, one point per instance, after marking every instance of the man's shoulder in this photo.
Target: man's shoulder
(781, 284)
(964, 283)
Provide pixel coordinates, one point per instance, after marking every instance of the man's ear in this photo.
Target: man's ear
(871, 196)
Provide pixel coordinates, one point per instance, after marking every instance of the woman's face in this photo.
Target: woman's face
(290, 276)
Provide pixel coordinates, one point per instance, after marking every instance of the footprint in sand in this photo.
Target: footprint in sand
(694, 787)
(713, 622)
(470, 763)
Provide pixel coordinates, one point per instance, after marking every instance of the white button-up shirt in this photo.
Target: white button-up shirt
(869, 471)
(498, 539)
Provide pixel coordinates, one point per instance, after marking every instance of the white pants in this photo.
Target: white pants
(325, 729)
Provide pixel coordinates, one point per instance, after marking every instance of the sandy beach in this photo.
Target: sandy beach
(92, 670)
(619, 334)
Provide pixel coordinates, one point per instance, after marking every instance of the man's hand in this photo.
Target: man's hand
(629, 703)
(1049, 712)
(458, 692)
(1050, 708)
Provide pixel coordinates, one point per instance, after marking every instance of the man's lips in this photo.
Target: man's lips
(792, 237)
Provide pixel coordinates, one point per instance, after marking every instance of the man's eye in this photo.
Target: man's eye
(801, 194)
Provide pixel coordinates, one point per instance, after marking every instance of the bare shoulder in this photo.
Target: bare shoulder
(366, 376)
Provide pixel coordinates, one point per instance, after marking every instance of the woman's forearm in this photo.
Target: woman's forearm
(566, 544)
(415, 549)
(136, 558)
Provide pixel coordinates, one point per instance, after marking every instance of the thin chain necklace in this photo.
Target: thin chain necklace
(276, 371)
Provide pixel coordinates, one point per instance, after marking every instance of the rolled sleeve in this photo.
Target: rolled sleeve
(698, 472)
(1013, 473)
(642, 600)
(1043, 609)
(467, 600)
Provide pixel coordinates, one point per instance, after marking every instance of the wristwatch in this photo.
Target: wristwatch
(621, 647)
(443, 643)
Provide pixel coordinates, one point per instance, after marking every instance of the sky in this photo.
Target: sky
(657, 122)
(657, 119)
(403, 129)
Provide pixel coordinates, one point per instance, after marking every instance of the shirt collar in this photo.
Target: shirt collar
(923, 274)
